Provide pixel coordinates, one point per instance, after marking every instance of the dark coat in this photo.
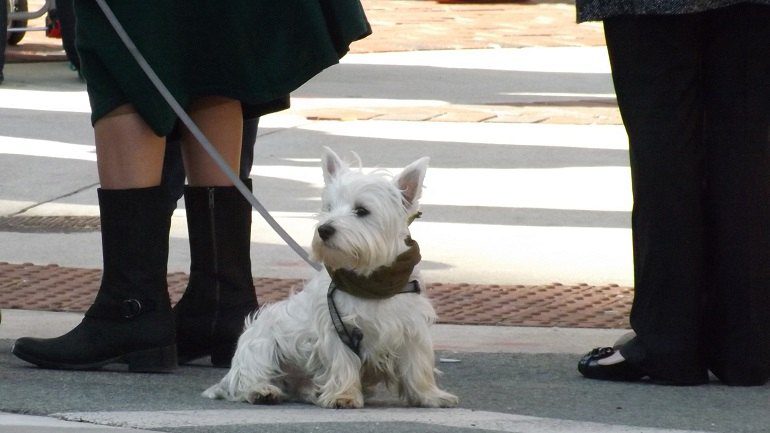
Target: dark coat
(255, 51)
(594, 10)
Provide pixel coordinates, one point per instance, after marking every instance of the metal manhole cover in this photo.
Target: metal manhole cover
(49, 224)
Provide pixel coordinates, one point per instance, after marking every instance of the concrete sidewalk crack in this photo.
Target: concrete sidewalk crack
(69, 194)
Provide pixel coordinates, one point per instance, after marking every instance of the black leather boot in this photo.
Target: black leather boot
(220, 294)
(131, 320)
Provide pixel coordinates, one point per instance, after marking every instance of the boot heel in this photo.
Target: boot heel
(222, 355)
(158, 360)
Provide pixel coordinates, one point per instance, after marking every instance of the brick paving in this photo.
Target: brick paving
(576, 113)
(56, 288)
(409, 25)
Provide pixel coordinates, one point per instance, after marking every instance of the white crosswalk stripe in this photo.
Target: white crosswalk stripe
(455, 418)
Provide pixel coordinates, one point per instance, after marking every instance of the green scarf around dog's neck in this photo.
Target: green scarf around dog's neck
(385, 281)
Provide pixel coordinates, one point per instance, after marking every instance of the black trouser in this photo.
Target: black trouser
(694, 94)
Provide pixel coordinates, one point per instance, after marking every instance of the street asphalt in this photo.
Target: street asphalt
(505, 203)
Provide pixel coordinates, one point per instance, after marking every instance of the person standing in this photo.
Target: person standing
(258, 51)
(691, 79)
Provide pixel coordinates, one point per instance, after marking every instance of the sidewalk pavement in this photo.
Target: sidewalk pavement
(526, 223)
(518, 380)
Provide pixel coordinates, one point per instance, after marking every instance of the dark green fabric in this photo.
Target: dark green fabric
(384, 282)
(255, 51)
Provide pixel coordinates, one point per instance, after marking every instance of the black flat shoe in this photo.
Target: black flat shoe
(622, 371)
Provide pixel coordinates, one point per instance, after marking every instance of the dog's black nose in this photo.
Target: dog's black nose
(325, 231)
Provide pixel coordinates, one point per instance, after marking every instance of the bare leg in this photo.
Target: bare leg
(221, 121)
(129, 154)
(220, 292)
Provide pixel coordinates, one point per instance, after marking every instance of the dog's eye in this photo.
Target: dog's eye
(361, 211)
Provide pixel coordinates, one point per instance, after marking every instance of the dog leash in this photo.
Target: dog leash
(198, 134)
(353, 335)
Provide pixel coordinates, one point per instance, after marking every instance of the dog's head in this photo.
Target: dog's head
(364, 218)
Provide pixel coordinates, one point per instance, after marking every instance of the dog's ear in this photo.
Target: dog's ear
(409, 182)
(331, 164)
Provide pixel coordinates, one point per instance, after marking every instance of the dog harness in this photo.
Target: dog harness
(385, 282)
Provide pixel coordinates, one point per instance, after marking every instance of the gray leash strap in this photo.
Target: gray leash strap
(352, 336)
(196, 132)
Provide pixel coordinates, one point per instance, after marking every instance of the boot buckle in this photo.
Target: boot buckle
(130, 308)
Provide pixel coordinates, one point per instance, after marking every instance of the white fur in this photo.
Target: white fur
(291, 349)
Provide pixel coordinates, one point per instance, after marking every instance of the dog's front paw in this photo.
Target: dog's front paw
(215, 392)
(438, 399)
(267, 394)
(348, 403)
(342, 402)
(448, 400)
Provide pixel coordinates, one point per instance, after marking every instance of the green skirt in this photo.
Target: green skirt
(255, 51)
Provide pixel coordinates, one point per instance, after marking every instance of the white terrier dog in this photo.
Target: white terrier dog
(295, 348)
